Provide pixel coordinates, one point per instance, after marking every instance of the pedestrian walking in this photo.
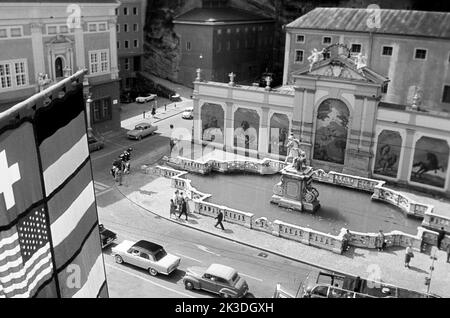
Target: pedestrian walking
(173, 208)
(448, 253)
(408, 255)
(345, 240)
(380, 241)
(183, 209)
(119, 175)
(440, 237)
(153, 112)
(219, 219)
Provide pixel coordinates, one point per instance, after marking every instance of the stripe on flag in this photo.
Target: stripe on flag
(72, 214)
(25, 258)
(87, 262)
(59, 171)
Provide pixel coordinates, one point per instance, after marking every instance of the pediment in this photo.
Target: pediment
(59, 39)
(341, 68)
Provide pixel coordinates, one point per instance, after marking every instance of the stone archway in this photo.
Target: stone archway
(332, 121)
(59, 67)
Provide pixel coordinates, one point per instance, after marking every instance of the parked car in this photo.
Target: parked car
(219, 279)
(175, 98)
(106, 236)
(141, 130)
(95, 141)
(147, 255)
(146, 98)
(188, 113)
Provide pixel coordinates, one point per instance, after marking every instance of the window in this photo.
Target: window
(125, 11)
(116, 11)
(420, 54)
(3, 33)
(126, 44)
(118, 28)
(356, 48)
(238, 44)
(326, 55)
(125, 28)
(128, 82)
(219, 32)
(63, 29)
(118, 44)
(387, 51)
(16, 32)
(135, 11)
(300, 38)
(228, 31)
(326, 40)
(446, 95)
(254, 29)
(53, 29)
(299, 56)
(101, 110)
(135, 27)
(188, 46)
(92, 27)
(102, 26)
(246, 29)
(127, 63)
(219, 47)
(98, 61)
(384, 88)
(136, 43)
(13, 74)
(238, 30)
(137, 63)
(260, 28)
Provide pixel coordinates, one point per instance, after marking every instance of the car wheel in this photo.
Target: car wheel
(152, 271)
(118, 259)
(188, 285)
(224, 295)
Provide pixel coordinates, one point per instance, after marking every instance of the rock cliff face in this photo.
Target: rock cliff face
(162, 44)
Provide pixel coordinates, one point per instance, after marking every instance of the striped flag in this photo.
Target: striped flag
(25, 258)
(62, 141)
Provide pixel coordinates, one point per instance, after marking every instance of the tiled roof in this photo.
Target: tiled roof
(218, 15)
(400, 22)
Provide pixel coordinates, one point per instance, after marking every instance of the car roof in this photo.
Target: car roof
(148, 246)
(221, 271)
(189, 109)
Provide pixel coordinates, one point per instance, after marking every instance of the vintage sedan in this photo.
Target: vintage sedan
(141, 130)
(219, 279)
(188, 113)
(146, 98)
(147, 255)
(107, 237)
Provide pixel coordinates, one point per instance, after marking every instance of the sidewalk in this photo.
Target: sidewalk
(154, 193)
(162, 113)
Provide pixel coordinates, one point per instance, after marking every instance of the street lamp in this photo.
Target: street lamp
(88, 111)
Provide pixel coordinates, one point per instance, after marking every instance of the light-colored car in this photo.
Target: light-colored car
(188, 113)
(147, 255)
(219, 279)
(141, 130)
(175, 98)
(145, 99)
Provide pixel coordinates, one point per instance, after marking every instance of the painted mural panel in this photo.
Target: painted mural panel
(279, 130)
(246, 128)
(331, 131)
(430, 162)
(388, 153)
(212, 116)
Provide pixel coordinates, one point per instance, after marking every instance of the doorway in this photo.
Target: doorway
(59, 66)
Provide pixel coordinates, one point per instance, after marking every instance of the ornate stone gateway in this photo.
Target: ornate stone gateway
(295, 190)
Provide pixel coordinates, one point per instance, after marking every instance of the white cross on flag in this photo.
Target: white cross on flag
(20, 181)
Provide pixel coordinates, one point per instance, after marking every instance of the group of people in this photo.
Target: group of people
(179, 204)
(121, 165)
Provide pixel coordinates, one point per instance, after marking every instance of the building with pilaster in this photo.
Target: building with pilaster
(130, 40)
(42, 42)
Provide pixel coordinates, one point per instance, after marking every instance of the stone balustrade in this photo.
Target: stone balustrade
(407, 205)
(341, 179)
(301, 234)
(229, 215)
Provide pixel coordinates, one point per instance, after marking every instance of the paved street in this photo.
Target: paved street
(261, 270)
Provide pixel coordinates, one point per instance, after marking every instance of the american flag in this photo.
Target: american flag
(25, 258)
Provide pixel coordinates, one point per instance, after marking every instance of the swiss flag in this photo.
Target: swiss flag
(20, 180)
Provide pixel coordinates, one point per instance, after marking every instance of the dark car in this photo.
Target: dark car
(106, 236)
